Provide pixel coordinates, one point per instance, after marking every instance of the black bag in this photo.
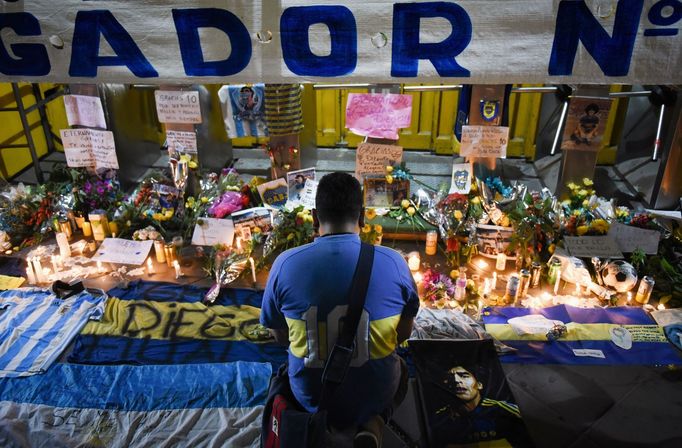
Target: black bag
(286, 424)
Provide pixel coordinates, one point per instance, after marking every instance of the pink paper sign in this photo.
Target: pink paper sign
(378, 115)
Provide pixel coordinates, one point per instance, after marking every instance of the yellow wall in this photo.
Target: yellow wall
(13, 160)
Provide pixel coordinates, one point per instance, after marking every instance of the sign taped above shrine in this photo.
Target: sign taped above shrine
(469, 41)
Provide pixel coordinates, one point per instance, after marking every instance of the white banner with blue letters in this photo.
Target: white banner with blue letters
(470, 41)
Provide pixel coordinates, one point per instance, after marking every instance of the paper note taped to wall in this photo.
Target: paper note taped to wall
(84, 110)
(378, 115)
(89, 148)
(484, 141)
(631, 238)
(371, 158)
(177, 106)
(182, 141)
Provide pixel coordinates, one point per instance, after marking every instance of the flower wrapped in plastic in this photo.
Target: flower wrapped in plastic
(228, 203)
(225, 265)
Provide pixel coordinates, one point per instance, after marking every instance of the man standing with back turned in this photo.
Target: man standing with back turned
(305, 302)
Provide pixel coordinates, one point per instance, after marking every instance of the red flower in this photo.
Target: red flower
(452, 244)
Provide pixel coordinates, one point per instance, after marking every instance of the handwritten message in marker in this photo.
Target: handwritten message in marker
(592, 246)
(84, 110)
(181, 141)
(88, 147)
(631, 238)
(484, 141)
(371, 158)
(178, 107)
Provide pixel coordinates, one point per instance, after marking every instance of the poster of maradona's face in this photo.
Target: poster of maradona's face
(464, 395)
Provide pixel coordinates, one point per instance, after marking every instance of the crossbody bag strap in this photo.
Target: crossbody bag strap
(341, 355)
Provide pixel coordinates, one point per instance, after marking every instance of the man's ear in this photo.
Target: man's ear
(479, 385)
(361, 220)
(316, 220)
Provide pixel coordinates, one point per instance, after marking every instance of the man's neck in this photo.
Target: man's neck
(471, 405)
(331, 229)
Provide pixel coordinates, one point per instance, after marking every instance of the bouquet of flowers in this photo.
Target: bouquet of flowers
(25, 214)
(438, 289)
(295, 228)
(533, 220)
(371, 234)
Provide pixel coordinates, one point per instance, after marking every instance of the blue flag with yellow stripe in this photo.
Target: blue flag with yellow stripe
(165, 323)
(588, 339)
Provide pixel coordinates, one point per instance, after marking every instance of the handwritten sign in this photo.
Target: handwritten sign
(371, 158)
(592, 246)
(212, 231)
(378, 115)
(484, 141)
(631, 238)
(84, 110)
(120, 251)
(307, 196)
(181, 141)
(88, 147)
(178, 107)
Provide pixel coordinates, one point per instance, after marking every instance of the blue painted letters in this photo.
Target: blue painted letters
(85, 58)
(407, 51)
(575, 23)
(294, 29)
(188, 22)
(32, 59)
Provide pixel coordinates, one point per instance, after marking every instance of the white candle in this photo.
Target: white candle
(578, 290)
(30, 276)
(64, 246)
(418, 277)
(253, 269)
(482, 265)
(38, 268)
(150, 266)
(494, 285)
(501, 261)
(46, 274)
(99, 266)
(55, 265)
(176, 265)
(239, 245)
(661, 306)
(629, 297)
(413, 261)
(556, 283)
(486, 286)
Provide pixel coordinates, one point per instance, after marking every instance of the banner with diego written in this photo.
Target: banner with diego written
(470, 41)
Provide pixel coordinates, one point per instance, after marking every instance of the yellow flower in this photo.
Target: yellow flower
(389, 169)
(157, 216)
(405, 203)
(587, 182)
(370, 214)
(257, 230)
(551, 248)
(308, 218)
(582, 192)
(411, 211)
(454, 274)
(572, 186)
(582, 230)
(458, 215)
(204, 199)
(600, 226)
(389, 179)
(505, 221)
(366, 228)
(185, 158)
(566, 202)
(576, 212)
(476, 200)
(299, 215)
(290, 237)
(193, 165)
(586, 203)
(378, 228)
(168, 214)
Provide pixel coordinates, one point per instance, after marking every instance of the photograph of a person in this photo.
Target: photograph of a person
(400, 190)
(296, 181)
(376, 192)
(493, 240)
(585, 123)
(464, 394)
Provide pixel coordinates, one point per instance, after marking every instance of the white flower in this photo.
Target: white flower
(143, 234)
(153, 235)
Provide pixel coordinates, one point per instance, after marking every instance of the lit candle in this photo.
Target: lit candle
(150, 266)
(661, 306)
(54, 263)
(30, 276)
(38, 268)
(253, 269)
(480, 309)
(63, 243)
(629, 297)
(176, 265)
(46, 274)
(494, 285)
(413, 261)
(578, 290)
(113, 234)
(486, 286)
(99, 266)
(546, 297)
(556, 283)
(501, 261)
(482, 265)
(87, 228)
(239, 245)
(418, 277)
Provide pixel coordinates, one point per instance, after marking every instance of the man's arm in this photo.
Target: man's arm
(281, 335)
(404, 328)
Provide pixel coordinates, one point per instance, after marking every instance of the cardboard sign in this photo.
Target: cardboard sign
(181, 141)
(274, 193)
(461, 178)
(592, 246)
(378, 115)
(120, 251)
(84, 110)
(89, 148)
(484, 141)
(212, 231)
(178, 107)
(631, 238)
(372, 158)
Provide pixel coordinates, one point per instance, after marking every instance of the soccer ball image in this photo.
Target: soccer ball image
(619, 275)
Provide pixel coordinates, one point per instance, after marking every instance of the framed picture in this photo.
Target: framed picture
(379, 193)
(493, 240)
(464, 395)
(296, 183)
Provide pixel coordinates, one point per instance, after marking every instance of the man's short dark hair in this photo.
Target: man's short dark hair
(592, 107)
(339, 198)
